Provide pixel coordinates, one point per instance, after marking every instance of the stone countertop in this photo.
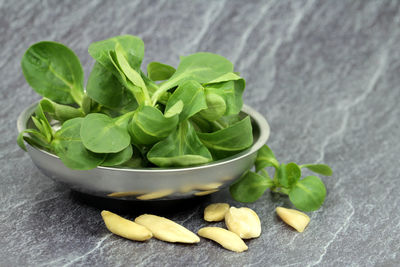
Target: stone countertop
(326, 75)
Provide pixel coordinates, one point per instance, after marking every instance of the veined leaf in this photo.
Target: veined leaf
(158, 71)
(230, 140)
(201, 67)
(54, 71)
(250, 187)
(105, 88)
(181, 148)
(288, 174)
(174, 109)
(34, 138)
(137, 91)
(60, 112)
(308, 194)
(113, 159)
(102, 134)
(230, 76)
(46, 129)
(216, 107)
(133, 50)
(68, 145)
(231, 92)
(318, 168)
(149, 125)
(266, 158)
(191, 94)
(150, 84)
(129, 72)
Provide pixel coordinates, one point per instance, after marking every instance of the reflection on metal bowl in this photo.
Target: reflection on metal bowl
(151, 183)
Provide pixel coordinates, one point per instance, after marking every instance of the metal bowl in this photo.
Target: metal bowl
(150, 183)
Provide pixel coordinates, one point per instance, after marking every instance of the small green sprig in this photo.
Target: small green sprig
(307, 194)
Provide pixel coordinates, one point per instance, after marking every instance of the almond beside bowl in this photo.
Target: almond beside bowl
(148, 184)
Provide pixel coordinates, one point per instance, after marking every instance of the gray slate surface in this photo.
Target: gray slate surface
(324, 73)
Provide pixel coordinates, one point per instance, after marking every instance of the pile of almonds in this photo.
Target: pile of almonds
(242, 223)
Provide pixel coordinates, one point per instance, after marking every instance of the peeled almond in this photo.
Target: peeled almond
(167, 230)
(215, 212)
(125, 228)
(298, 220)
(156, 194)
(225, 238)
(244, 222)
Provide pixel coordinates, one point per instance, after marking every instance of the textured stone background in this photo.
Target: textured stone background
(324, 73)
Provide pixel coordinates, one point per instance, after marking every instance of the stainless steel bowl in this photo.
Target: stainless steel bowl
(151, 183)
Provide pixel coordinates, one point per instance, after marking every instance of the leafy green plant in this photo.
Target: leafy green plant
(307, 194)
(167, 117)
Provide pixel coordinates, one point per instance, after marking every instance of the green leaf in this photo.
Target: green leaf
(229, 87)
(318, 168)
(133, 163)
(216, 107)
(149, 125)
(201, 67)
(308, 194)
(231, 92)
(229, 141)
(46, 129)
(39, 125)
(181, 148)
(132, 46)
(129, 72)
(158, 71)
(130, 53)
(20, 140)
(201, 124)
(113, 159)
(54, 71)
(288, 174)
(68, 145)
(250, 187)
(174, 110)
(191, 93)
(102, 134)
(60, 112)
(137, 91)
(150, 84)
(226, 121)
(35, 138)
(265, 158)
(230, 76)
(87, 103)
(105, 88)
(265, 174)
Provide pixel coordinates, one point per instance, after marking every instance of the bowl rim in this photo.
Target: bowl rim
(259, 119)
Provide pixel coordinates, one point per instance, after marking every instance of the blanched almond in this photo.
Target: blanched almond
(156, 194)
(211, 186)
(167, 230)
(215, 212)
(298, 220)
(244, 222)
(125, 228)
(126, 194)
(225, 238)
(204, 193)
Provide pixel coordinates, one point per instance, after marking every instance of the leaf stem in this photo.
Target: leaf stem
(161, 90)
(122, 119)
